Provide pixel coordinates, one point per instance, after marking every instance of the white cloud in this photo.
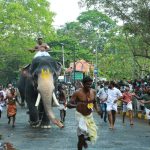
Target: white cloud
(66, 11)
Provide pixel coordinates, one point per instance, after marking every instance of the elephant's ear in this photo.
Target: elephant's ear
(57, 68)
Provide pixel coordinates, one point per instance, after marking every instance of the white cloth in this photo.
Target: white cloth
(127, 107)
(147, 113)
(86, 126)
(113, 94)
(40, 53)
(62, 107)
(4, 93)
(1, 108)
(111, 106)
(102, 94)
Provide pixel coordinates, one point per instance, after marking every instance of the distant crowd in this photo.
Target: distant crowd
(106, 100)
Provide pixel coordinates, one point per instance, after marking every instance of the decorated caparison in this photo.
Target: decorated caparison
(36, 86)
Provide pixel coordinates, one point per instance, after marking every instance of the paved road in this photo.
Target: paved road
(122, 138)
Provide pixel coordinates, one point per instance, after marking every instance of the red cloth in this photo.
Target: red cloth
(11, 110)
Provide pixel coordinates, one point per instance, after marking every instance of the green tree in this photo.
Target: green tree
(136, 23)
(21, 23)
(83, 32)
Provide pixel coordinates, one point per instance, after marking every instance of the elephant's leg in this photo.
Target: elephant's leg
(45, 122)
(33, 113)
(31, 99)
(22, 99)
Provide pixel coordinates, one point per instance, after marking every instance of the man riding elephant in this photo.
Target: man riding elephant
(37, 85)
(41, 48)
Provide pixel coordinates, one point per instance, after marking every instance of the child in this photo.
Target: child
(62, 102)
(11, 106)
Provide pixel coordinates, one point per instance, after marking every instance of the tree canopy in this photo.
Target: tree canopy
(21, 22)
(123, 51)
(135, 16)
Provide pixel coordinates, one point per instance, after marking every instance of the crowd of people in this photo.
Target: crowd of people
(135, 97)
(129, 96)
(105, 100)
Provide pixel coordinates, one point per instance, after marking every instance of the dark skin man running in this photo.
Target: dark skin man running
(84, 101)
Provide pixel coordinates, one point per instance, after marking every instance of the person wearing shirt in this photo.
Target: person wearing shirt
(114, 95)
(127, 104)
(145, 99)
(102, 97)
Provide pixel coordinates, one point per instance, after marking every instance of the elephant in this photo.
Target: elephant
(36, 86)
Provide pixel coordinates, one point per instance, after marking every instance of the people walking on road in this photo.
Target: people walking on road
(11, 106)
(63, 102)
(114, 95)
(84, 101)
(127, 104)
(102, 97)
(145, 99)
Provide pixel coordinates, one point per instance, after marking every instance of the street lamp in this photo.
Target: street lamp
(63, 55)
(74, 66)
(95, 68)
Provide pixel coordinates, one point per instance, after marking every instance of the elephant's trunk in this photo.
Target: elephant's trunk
(46, 88)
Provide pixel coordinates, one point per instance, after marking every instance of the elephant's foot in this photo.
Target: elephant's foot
(58, 123)
(34, 124)
(45, 126)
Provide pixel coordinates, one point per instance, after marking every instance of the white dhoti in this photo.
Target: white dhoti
(86, 126)
(112, 106)
(1, 108)
(127, 107)
(62, 107)
(147, 113)
(40, 53)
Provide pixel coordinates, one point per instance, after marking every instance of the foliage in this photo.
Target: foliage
(21, 23)
(85, 33)
(135, 16)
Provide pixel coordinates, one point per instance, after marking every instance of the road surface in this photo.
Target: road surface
(124, 137)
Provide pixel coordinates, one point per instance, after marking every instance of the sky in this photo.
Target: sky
(66, 11)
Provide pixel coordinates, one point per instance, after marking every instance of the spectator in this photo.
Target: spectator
(63, 103)
(102, 97)
(114, 95)
(145, 99)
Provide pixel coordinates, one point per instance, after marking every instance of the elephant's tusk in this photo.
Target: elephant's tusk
(55, 99)
(38, 100)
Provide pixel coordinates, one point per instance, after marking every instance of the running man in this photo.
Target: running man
(114, 95)
(84, 101)
(127, 104)
(102, 97)
(11, 106)
(145, 99)
(63, 102)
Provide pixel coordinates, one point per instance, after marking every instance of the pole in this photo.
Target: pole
(63, 55)
(96, 72)
(74, 67)
(96, 63)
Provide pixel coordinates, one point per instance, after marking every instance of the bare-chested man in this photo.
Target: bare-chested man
(41, 48)
(84, 101)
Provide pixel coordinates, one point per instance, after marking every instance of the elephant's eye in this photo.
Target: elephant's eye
(34, 76)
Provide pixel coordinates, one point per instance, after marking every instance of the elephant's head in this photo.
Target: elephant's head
(44, 71)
